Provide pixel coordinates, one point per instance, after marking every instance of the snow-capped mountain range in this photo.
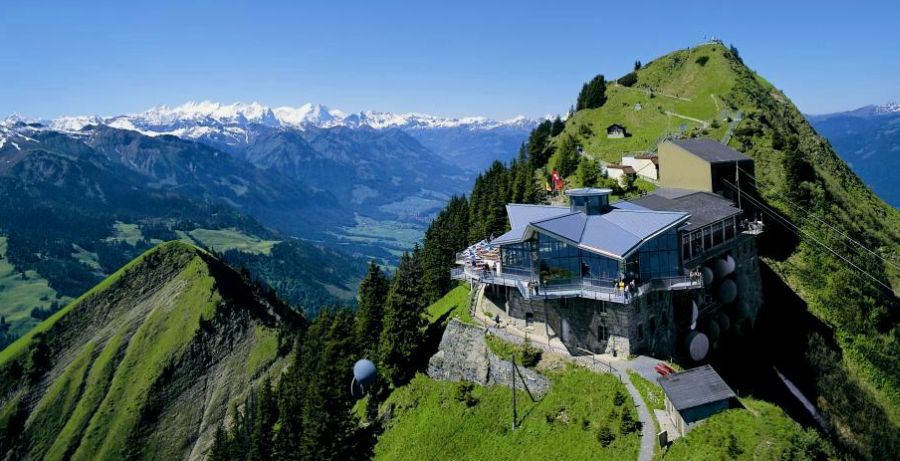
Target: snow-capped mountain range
(469, 142)
(183, 120)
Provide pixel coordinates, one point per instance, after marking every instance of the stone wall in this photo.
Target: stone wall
(645, 326)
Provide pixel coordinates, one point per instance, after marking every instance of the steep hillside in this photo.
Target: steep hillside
(846, 353)
(868, 139)
(144, 365)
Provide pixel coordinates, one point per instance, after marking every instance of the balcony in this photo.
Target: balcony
(588, 288)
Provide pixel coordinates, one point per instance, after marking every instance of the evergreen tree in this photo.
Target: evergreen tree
(403, 321)
(592, 95)
(566, 155)
(291, 392)
(588, 172)
(239, 439)
(329, 428)
(735, 53)
(637, 65)
(447, 235)
(221, 447)
(263, 424)
(487, 207)
(370, 311)
(628, 79)
(523, 179)
(557, 126)
(539, 149)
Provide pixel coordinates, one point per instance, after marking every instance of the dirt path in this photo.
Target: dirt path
(701, 122)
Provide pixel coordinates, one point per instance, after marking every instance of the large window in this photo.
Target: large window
(660, 257)
(560, 262)
(600, 267)
(717, 233)
(517, 258)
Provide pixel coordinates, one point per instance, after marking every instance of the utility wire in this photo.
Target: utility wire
(821, 220)
(797, 230)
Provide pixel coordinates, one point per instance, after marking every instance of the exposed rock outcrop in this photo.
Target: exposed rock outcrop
(463, 355)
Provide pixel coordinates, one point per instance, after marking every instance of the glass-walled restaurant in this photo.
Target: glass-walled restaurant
(698, 241)
(554, 262)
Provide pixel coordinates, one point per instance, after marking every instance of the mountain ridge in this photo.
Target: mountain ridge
(156, 119)
(868, 139)
(144, 365)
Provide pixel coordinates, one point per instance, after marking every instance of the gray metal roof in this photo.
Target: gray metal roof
(516, 234)
(521, 215)
(709, 150)
(569, 226)
(615, 233)
(695, 387)
(704, 207)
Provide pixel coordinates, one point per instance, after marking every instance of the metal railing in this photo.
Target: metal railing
(590, 288)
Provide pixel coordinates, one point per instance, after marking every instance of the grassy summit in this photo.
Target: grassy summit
(144, 365)
(825, 320)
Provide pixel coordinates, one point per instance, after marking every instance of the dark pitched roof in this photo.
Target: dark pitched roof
(695, 387)
(614, 126)
(704, 207)
(709, 150)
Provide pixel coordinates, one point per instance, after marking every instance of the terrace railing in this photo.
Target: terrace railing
(590, 288)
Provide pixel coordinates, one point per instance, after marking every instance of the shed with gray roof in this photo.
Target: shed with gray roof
(694, 395)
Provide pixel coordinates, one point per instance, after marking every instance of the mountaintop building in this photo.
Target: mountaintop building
(667, 274)
(703, 164)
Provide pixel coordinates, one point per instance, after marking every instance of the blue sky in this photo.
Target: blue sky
(446, 58)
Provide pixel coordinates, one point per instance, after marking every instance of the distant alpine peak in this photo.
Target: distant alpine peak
(308, 114)
(192, 111)
(889, 108)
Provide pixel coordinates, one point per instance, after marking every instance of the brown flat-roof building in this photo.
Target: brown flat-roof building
(704, 164)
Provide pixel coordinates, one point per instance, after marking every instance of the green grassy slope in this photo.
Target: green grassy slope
(668, 89)
(144, 365)
(452, 305)
(760, 431)
(431, 422)
(846, 354)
